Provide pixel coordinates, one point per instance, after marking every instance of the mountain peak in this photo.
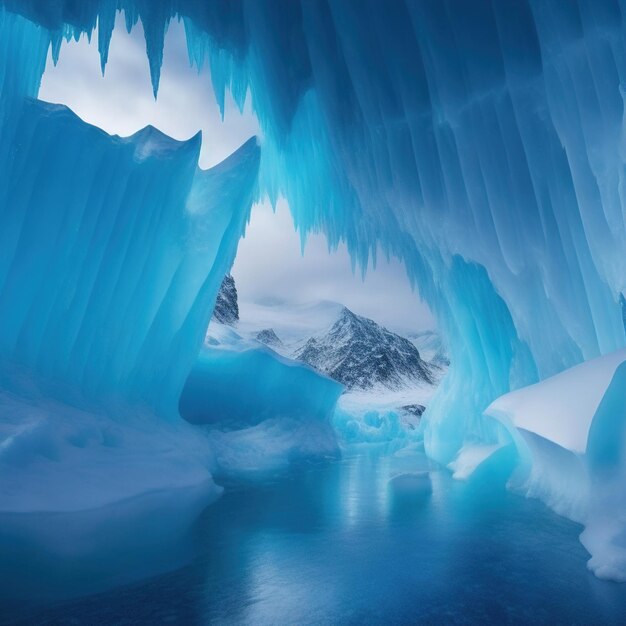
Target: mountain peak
(359, 353)
(269, 337)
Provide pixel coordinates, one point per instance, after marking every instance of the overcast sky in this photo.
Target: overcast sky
(269, 263)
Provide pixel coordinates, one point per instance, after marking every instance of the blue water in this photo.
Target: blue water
(334, 543)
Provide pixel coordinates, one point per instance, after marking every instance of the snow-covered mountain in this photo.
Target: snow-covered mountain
(269, 337)
(361, 354)
(226, 308)
(375, 364)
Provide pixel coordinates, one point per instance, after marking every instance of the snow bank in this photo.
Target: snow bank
(560, 408)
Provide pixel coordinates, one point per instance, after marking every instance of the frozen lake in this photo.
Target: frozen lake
(336, 543)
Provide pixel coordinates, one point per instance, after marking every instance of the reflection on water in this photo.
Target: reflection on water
(336, 543)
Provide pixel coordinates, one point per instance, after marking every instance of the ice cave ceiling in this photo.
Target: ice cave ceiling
(481, 141)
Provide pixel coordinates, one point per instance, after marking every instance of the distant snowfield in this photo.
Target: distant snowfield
(382, 399)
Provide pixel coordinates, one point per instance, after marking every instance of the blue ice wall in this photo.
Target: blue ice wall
(259, 411)
(111, 249)
(481, 141)
(23, 52)
(241, 387)
(112, 253)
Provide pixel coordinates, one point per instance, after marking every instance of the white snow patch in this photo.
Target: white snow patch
(382, 399)
(562, 407)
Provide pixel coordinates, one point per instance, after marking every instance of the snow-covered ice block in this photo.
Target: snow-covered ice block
(55, 457)
(114, 494)
(561, 408)
(570, 435)
(551, 424)
(241, 386)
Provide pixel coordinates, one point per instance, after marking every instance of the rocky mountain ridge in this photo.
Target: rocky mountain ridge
(361, 354)
(226, 309)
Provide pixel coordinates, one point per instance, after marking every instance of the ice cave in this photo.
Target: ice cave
(182, 439)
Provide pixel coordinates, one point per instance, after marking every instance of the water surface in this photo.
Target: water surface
(334, 543)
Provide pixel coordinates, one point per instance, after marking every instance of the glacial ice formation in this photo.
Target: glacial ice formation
(561, 429)
(267, 383)
(260, 410)
(482, 142)
(144, 238)
(111, 254)
(479, 141)
(569, 432)
(99, 232)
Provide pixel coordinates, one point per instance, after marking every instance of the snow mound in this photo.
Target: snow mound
(560, 408)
